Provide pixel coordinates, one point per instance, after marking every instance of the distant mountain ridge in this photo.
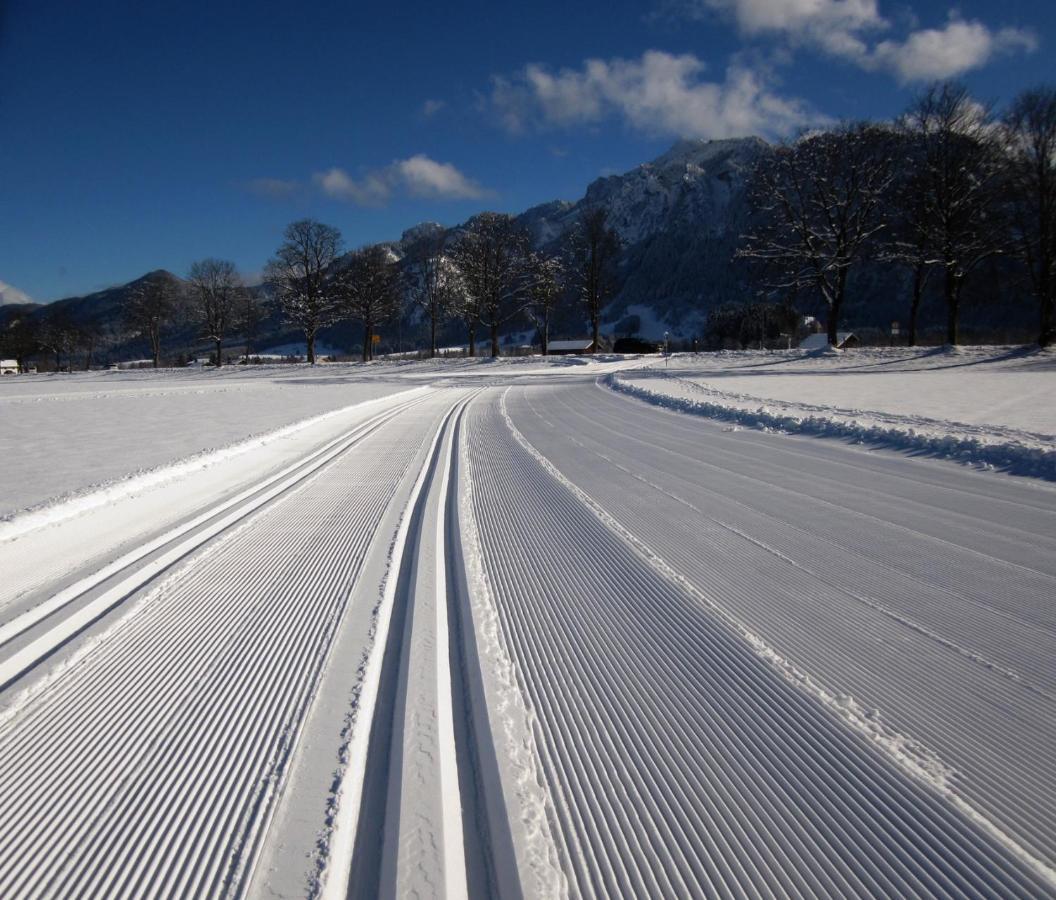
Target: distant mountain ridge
(680, 218)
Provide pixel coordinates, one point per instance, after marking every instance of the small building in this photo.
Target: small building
(845, 340)
(8, 366)
(570, 348)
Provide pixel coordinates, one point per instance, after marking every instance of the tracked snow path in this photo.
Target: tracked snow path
(919, 595)
(149, 767)
(681, 762)
(422, 821)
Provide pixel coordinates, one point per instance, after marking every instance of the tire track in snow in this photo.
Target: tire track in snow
(149, 768)
(679, 761)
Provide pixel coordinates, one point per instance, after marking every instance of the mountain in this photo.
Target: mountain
(680, 218)
(12, 296)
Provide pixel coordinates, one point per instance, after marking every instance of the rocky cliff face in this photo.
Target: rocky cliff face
(679, 217)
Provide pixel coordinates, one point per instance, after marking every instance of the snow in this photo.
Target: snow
(982, 406)
(64, 435)
(475, 627)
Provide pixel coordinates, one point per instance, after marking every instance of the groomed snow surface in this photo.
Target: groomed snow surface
(532, 628)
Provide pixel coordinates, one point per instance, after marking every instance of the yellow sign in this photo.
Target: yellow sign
(376, 338)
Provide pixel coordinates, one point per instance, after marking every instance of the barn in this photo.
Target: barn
(570, 348)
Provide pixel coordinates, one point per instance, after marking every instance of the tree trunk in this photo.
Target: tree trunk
(494, 340)
(432, 336)
(953, 299)
(310, 341)
(472, 341)
(546, 333)
(914, 308)
(1045, 326)
(219, 354)
(595, 326)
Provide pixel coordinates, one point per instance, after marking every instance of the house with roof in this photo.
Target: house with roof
(570, 348)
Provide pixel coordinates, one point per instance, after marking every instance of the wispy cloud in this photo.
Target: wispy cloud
(659, 93)
(852, 30)
(431, 107)
(272, 187)
(416, 176)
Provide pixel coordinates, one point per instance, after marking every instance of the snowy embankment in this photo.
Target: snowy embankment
(999, 398)
(66, 436)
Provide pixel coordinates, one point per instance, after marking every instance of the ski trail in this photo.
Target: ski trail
(151, 767)
(680, 761)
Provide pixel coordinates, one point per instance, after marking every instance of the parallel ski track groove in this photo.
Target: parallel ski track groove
(135, 569)
(145, 769)
(374, 854)
(680, 762)
(945, 702)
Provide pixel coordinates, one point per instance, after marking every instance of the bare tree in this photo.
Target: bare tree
(91, 333)
(1030, 133)
(216, 294)
(58, 334)
(960, 168)
(149, 308)
(432, 280)
(820, 202)
(251, 315)
(545, 293)
(492, 257)
(300, 273)
(593, 250)
(371, 291)
(20, 339)
(908, 240)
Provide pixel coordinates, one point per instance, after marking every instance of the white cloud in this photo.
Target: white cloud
(847, 29)
(425, 177)
(9, 294)
(374, 189)
(431, 107)
(418, 176)
(272, 187)
(659, 93)
(936, 53)
(835, 25)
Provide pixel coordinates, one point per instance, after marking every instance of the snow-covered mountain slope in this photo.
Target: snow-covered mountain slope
(679, 217)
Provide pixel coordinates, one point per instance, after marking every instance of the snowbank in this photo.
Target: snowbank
(1031, 455)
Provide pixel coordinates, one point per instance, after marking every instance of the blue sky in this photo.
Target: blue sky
(136, 136)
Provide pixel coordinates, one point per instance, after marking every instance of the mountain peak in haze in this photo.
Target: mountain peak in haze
(9, 295)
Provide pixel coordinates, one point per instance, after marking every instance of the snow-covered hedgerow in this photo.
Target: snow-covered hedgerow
(1014, 457)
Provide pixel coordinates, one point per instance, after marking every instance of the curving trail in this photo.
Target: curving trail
(150, 766)
(516, 636)
(679, 761)
(919, 594)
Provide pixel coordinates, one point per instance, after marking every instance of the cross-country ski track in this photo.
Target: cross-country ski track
(529, 637)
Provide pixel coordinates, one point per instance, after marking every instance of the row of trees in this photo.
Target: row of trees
(484, 277)
(943, 189)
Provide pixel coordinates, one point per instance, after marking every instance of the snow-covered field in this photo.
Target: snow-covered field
(471, 628)
(982, 405)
